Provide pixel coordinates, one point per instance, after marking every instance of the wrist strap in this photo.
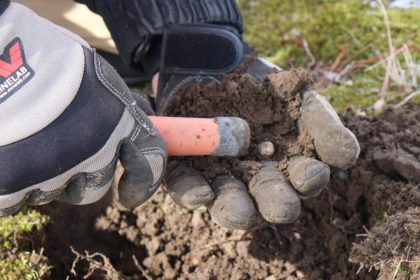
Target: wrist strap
(137, 25)
(197, 50)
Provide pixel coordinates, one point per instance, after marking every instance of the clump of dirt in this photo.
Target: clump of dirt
(271, 109)
(391, 149)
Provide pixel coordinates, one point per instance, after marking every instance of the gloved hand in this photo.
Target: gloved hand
(66, 118)
(204, 53)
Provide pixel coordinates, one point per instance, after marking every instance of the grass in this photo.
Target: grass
(350, 28)
(18, 258)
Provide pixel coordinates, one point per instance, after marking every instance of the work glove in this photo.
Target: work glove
(193, 54)
(66, 119)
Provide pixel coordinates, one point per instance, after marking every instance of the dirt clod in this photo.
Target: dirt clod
(271, 109)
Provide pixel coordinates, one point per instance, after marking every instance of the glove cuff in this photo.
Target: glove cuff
(136, 25)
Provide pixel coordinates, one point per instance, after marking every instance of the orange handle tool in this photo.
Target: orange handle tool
(223, 136)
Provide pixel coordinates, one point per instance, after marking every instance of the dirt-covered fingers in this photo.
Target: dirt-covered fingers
(308, 176)
(334, 143)
(228, 200)
(276, 199)
(188, 188)
(233, 206)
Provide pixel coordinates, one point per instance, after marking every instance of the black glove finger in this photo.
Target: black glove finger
(276, 200)
(334, 143)
(233, 207)
(143, 155)
(308, 176)
(144, 166)
(84, 188)
(188, 188)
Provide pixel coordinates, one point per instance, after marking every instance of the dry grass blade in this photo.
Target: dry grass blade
(378, 106)
(394, 70)
(407, 99)
(141, 269)
(102, 265)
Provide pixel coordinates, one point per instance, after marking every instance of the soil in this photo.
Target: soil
(391, 179)
(392, 245)
(376, 199)
(271, 109)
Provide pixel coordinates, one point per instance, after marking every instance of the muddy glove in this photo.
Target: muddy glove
(203, 54)
(66, 118)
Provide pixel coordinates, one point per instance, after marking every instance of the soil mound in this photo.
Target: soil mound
(392, 245)
(270, 108)
(390, 174)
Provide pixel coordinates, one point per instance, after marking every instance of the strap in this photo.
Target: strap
(197, 50)
(137, 25)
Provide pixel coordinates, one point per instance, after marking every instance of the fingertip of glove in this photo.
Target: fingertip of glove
(233, 207)
(335, 144)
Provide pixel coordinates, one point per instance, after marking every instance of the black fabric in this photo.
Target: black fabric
(136, 25)
(130, 75)
(204, 50)
(200, 49)
(3, 5)
(79, 133)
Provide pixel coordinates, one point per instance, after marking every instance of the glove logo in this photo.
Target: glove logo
(14, 70)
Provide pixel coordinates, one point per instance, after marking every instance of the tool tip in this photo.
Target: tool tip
(235, 136)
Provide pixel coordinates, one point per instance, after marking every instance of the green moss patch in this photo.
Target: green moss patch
(335, 31)
(19, 256)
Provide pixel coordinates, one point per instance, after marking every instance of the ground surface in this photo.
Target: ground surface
(171, 243)
(379, 194)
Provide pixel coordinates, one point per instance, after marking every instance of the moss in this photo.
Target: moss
(362, 91)
(360, 94)
(329, 26)
(24, 265)
(18, 258)
(405, 271)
